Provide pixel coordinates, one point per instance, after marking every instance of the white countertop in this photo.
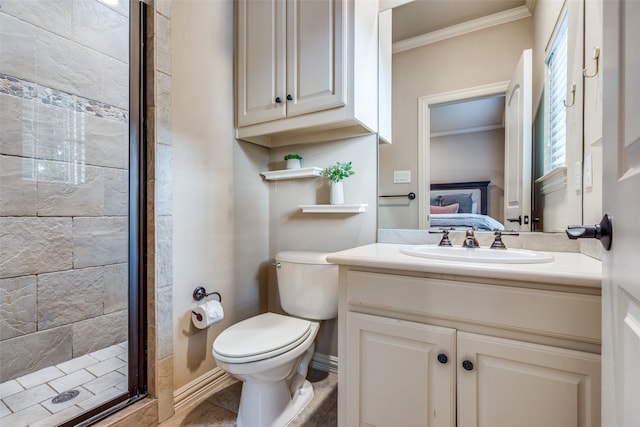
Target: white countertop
(568, 268)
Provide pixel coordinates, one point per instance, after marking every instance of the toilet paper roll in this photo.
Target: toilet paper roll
(205, 315)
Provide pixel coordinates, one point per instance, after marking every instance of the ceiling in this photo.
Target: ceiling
(420, 17)
(425, 16)
(470, 116)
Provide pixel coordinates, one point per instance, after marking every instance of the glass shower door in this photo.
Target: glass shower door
(64, 208)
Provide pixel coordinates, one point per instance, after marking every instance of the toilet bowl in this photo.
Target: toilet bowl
(270, 353)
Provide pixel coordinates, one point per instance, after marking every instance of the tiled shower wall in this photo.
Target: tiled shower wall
(63, 180)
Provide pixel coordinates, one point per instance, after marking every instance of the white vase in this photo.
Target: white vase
(337, 193)
(293, 163)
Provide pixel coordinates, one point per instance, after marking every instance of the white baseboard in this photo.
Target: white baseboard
(325, 362)
(202, 387)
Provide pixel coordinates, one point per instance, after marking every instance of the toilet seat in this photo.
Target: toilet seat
(260, 337)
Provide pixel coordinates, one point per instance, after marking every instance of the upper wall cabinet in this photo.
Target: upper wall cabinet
(299, 77)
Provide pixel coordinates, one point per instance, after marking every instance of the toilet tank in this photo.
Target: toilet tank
(307, 284)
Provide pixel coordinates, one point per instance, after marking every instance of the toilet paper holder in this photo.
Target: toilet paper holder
(200, 293)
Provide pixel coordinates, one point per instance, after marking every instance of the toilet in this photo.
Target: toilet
(270, 352)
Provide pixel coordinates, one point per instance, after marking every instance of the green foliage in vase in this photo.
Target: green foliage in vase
(338, 172)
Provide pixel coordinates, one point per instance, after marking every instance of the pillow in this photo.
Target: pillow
(449, 209)
(435, 201)
(463, 199)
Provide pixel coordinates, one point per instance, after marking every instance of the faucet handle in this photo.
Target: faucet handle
(497, 242)
(445, 237)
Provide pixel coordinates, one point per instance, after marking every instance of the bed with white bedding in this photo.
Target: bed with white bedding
(461, 205)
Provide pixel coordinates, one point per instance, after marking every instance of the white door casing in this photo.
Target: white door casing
(517, 153)
(621, 199)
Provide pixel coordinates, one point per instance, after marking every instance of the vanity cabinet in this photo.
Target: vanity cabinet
(446, 350)
(296, 67)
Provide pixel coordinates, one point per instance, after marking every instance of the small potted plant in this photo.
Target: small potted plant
(293, 161)
(336, 173)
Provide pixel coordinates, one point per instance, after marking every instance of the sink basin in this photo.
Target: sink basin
(486, 255)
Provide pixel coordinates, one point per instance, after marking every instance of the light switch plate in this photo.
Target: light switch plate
(588, 172)
(578, 176)
(401, 177)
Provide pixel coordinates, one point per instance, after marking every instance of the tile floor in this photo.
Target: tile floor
(221, 408)
(98, 376)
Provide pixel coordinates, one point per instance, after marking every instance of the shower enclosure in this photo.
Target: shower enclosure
(69, 209)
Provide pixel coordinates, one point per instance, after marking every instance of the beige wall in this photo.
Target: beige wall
(220, 202)
(478, 58)
(290, 229)
(477, 156)
(228, 222)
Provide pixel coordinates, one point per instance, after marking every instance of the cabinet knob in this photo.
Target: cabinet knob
(278, 100)
(442, 358)
(289, 97)
(467, 365)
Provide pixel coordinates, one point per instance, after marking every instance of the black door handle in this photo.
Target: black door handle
(602, 231)
(518, 220)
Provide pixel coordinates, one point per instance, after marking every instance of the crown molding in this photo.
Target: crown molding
(488, 21)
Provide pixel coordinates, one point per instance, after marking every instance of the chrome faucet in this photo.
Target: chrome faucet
(470, 240)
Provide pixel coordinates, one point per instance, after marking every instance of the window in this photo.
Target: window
(555, 153)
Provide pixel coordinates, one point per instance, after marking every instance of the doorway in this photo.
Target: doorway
(426, 104)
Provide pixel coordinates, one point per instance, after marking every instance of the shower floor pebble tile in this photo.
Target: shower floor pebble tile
(31, 396)
(40, 377)
(77, 364)
(72, 380)
(99, 376)
(111, 379)
(4, 411)
(106, 366)
(10, 387)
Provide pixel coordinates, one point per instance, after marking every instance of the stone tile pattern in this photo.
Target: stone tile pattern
(160, 196)
(98, 377)
(63, 186)
(221, 408)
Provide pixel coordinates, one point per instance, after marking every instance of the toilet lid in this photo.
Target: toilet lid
(260, 337)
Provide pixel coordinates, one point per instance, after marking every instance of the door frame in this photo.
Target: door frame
(425, 103)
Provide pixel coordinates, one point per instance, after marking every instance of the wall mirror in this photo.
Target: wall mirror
(455, 90)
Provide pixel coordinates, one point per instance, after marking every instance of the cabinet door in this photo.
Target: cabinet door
(315, 56)
(261, 68)
(513, 383)
(394, 377)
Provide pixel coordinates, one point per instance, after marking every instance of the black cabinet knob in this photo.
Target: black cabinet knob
(289, 98)
(278, 100)
(442, 358)
(467, 365)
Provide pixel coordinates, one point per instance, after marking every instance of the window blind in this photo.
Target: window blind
(557, 69)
